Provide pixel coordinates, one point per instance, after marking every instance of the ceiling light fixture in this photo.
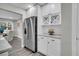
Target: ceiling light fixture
(10, 17)
(53, 6)
(29, 6)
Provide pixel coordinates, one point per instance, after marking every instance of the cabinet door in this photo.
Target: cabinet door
(54, 47)
(42, 45)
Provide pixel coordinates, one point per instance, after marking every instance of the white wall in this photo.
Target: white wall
(57, 29)
(15, 28)
(78, 23)
(77, 31)
(69, 20)
(31, 12)
(19, 28)
(66, 42)
(39, 20)
(74, 24)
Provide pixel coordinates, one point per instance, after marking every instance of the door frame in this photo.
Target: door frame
(74, 27)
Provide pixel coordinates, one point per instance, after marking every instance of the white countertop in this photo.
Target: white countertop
(58, 36)
(4, 45)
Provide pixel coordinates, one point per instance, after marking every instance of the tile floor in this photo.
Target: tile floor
(18, 51)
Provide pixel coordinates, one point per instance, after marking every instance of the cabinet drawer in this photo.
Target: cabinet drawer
(42, 38)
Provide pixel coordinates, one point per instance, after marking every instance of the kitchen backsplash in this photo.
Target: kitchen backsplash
(56, 28)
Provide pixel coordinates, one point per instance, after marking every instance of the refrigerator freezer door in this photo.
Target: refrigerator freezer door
(30, 36)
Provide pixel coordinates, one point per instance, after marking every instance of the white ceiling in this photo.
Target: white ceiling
(25, 5)
(14, 16)
(5, 14)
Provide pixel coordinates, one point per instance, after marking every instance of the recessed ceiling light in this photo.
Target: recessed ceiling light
(10, 17)
(29, 6)
(53, 6)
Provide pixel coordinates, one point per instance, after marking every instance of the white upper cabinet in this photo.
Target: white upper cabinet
(51, 14)
(51, 19)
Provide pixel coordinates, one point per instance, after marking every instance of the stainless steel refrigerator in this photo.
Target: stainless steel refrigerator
(30, 33)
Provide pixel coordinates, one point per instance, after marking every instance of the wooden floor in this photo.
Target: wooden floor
(18, 51)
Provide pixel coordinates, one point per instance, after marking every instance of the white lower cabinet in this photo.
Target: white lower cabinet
(49, 46)
(54, 47)
(42, 45)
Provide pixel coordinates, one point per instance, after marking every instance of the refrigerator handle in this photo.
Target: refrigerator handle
(25, 31)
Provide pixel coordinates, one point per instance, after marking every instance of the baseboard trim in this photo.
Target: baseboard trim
(42, 54)
(29, 49)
